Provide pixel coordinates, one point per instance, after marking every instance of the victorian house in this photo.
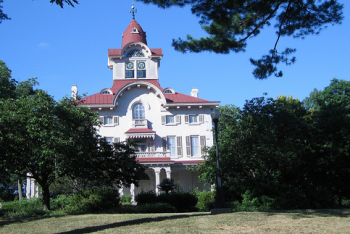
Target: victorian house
(169, 128)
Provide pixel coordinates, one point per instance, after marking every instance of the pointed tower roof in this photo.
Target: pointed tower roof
(133, 33)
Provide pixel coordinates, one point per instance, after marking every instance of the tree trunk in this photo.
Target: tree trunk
(46, 197)
(19, 184)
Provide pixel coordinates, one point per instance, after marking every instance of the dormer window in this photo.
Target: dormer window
(106, 91)
(135, 53)
(169, 90)
(139, 69)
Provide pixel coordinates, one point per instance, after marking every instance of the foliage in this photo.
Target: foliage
(206, 200)
(148, 197)
(126, 199)
(51, 140)
(230, 23)
(182, 201)
(250, 203)
(3, 16)
(277, 149)
(90, 201)
(30, 207)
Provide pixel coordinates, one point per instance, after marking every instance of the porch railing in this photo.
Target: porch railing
(139, 123)
(152, 154)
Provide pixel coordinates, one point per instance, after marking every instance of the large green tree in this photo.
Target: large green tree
(265, 149)
(51, 140)
(230, 23)
(331, 117)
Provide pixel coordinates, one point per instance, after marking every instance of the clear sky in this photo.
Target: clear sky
(69, 46)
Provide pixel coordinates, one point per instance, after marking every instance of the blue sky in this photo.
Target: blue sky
(69, 46)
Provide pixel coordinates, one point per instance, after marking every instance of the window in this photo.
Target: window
(171, 145)
(138, 111)
(194, 146)
(141, 147)
(194, 119)
(170, 119)
(134, 65)
(109, 139)
(108, 120)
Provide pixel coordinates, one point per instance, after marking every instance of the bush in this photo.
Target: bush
(30, 207)
(182, 201)
(126, 198)
(92, 201)
(250, 203)
(146, 198)
(206, 200)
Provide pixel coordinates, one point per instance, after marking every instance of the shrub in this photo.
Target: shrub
(250, 203)
(156, 208)
(206, 200)
(146, 198)
(182, 201)
(92, 201)
(30, 207)
(126, 198)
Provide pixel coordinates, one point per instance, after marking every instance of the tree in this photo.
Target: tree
(230, 23)
(331, 117)
(51, 140)
(265, 149)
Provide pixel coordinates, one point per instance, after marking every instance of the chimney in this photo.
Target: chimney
(194, 92)
(74, 91)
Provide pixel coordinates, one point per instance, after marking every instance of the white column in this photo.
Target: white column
(132, 191)
(168, 173)
(121, 191)
(157, 175)
(32, 187)
(28, 187)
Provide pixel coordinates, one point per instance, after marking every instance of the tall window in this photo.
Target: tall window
(138, 111)
(194, 146)
(171, 146)
(135, 65)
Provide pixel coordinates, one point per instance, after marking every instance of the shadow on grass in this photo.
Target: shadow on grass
(10, 220)
(310, 213)
(130, 222)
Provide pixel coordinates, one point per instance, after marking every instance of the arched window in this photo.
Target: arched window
(138, 111)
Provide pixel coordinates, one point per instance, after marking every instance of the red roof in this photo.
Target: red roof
(133, 33)
(182, 98)
(118, 84)
(118, 52)
(158, 159)
(140, 130)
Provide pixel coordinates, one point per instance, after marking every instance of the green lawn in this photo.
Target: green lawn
(310, 221)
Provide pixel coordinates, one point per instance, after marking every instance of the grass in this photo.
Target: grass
(297, 221)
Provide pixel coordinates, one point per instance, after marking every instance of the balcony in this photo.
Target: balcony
(152, 154)
(139, 123)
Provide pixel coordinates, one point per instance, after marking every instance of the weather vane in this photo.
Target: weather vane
(133, 10)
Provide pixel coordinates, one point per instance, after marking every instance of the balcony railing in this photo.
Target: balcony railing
(152, 154)
(139, 123)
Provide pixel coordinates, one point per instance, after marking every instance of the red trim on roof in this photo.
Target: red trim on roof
(165, 159)
(98, 99)
(140, 130)
(118, 52)
(118, 84)
(191, 161)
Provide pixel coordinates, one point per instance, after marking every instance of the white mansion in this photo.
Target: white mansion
(169, 128)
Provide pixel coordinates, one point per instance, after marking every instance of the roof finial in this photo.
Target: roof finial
(133, 10)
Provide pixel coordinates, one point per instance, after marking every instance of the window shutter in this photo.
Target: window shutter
(201, 118)
(179, 145)
(101, 119)
(164, 144)
(187, 118)
(188, 145)
(163, 119)
(178, 119)
(202, 144)
(116, 140)
(116, 120)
